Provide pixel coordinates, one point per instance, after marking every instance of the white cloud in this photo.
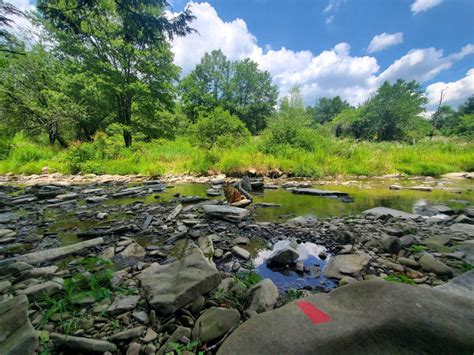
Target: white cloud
(456, 92)
(385, 40)
(423, 5)
(330, 9)
(22, 28)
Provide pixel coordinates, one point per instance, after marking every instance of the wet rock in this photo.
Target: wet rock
(463, 228)
(262, 296)
(214, 323)
(123, 304)
(128, 334)
(341, 265)
(240, 252)
(213, 192)
(55, 253)
(47, 288)
(172, 286)
(430, 264)
(391, 244)
(17, 335)
(282, 257)
(317, 192)
(384, 211)
(82, 344)
(444, 325)
(229, 213)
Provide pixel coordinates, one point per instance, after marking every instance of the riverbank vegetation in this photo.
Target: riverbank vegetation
(98, 92)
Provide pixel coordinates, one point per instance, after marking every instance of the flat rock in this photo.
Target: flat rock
(128, 334)
(317, 192)
(385, 211)
(240, 252)
(48, 288)
(341, 265)
(463, 228)
(17, 335)
(462, 285)
(430, 321)
(214, 323)
(430, 264)
(82, 344)
(123, 304)
(172, 286)
(133, 250)
(229, 213)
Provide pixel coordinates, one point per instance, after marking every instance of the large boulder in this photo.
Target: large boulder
(462, 285)
(172, 286)
(228, 213)
(262, 296)
(282, 257)
(17, 335)
(430, 264)
(350, 264)
(368, 317)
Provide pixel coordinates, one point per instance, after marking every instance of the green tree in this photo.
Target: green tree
(239, 87)
(468, 107)
(126, 44)
(392, 111)
(327, 108)
(218, 128)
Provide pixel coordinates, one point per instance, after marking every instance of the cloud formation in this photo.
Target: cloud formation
(456, 92)
(423, 5)
(385, 40)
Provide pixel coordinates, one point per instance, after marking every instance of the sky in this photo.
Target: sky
(338, 47)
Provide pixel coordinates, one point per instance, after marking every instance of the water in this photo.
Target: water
(290, 279)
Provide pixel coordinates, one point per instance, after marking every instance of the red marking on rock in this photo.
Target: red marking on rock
(316, 315)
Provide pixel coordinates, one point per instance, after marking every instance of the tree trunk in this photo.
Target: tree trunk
(125, 116)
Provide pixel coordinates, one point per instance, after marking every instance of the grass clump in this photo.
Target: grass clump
(399, 278)
(415, 249)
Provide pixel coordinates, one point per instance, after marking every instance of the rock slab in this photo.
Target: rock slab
(349, 264)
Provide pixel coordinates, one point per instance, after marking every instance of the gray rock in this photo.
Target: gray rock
(443, 209)
(407, 262)
(430, 320)
(240, 252)
(133, 349)
(128, 334)
(462, 285)
(430, 264)
(214, 323)
(15, 268)
(283, 257)
(391, 244)
(150, 336)
(172, 286)
(123, 304)
(48, 288)
(41, 256)
(346, 280)
(262, 296)
(302, 221)
(4, 285)
(408, 240)
(17, 335)
(82, 344)
(141, 316)
(134, 250)
(229, 213)
(463, 228)
(384, 211)
(341, 265)
(178, 334)
(317, 192)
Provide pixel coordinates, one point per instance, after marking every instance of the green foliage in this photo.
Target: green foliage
(326, 109)
(292, 294)
(179, 348)
(399, 278)
(248, 278)
(467, 267)
(415, 249)
(218, 128)
(239, 87)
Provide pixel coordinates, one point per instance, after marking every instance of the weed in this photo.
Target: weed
(415, 249)
(399, 278)
(248, 278)
(291, 295)
(179, 348)
(467, 267)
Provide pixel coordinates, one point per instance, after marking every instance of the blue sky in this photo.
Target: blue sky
(325, 45)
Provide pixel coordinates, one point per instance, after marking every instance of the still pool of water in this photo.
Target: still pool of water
(289, 278)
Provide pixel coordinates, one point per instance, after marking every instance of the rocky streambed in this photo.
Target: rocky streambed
(108, 267)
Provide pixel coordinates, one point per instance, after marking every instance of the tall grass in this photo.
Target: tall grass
(327, 157)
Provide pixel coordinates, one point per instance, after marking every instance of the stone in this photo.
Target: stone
(141, 316)
(206, 245)
(102, 215)
(462, 285)
(346, 280)
(283, 257)
(391, 244)
(302, 220)
(133, 250)
(133, 349)
(430, 264)
(317, 192)
(82, 344)
(431, 321)
(228, 213)
(262, 296)
(349, 264)
(385, 211)
(240, 252)
(214, 323)
(408, 240)
(178, 334)
(172, 286)
(96, 199)
(41, 256)
(123, 304)
(17, 335)
(48, 288)
(443, 209)
(128, 334)
(407, 262)
(4, 286)
(150, 336)
(463, 228)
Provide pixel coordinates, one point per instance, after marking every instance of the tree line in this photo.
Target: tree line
(102, 65)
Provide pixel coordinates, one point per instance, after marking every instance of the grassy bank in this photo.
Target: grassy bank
(331, 157)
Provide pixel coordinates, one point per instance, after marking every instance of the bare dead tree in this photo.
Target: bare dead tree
(436, 116)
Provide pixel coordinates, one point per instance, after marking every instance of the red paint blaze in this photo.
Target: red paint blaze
(316, 315)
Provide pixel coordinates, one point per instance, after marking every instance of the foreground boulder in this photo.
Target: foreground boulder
(172, 286)
(228, 213)
(462, 285)
(368, 317)
(17, 335)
